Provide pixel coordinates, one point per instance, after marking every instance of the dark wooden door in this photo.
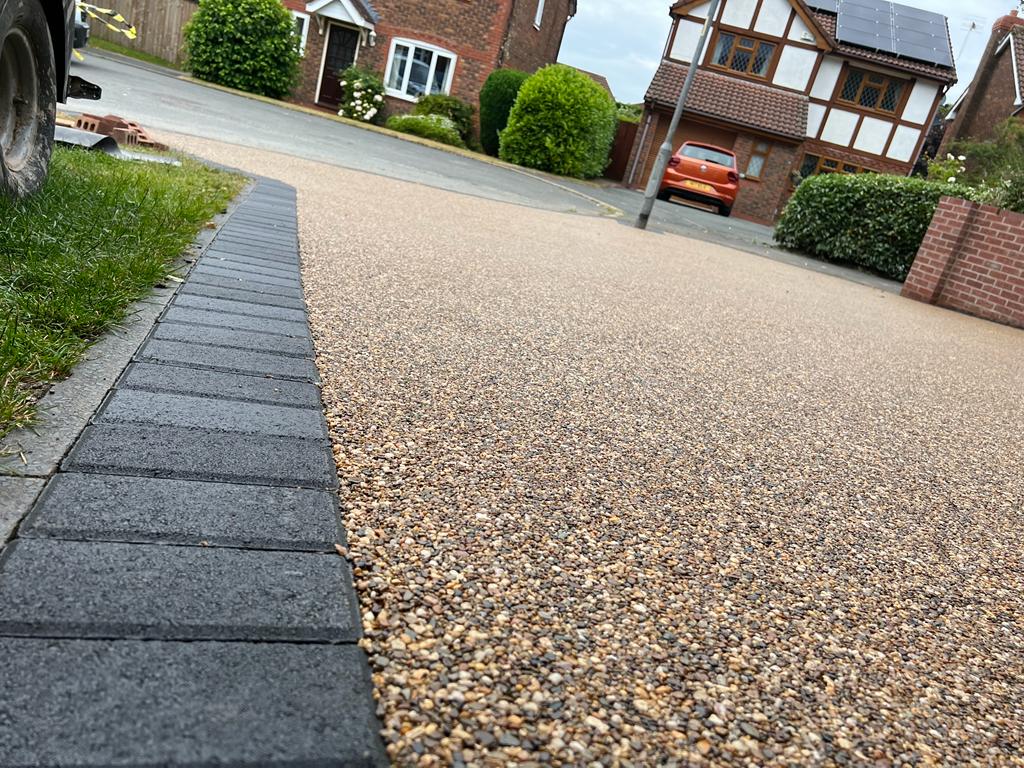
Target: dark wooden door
(342, 44)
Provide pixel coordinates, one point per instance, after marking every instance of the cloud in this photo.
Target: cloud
(624, 41)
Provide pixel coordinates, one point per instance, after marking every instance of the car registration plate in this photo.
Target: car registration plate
(699, 186)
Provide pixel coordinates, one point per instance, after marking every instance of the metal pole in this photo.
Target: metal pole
(654, 182)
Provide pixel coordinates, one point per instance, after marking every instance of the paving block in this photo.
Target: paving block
(243, 272)
(289, 261)
(257, 244)
(241, 296)
(285, 224)
(230, 360)
(235, 307)
(192, 381)
(240, 322)
(259, 232)
(131, 406)
(158, 510)
(294, 346)
(249, 264)
(240, 284)
(97, 704)
(140, 449)
(51, 588)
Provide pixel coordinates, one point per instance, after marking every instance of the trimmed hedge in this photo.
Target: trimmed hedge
(562, 122)
(434, 127)
(872, 220)
(496, 100)
(246, 44)
(459, 112)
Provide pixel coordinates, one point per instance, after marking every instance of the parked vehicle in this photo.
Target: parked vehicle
(82, 29)
(704, 174)
(36, 39)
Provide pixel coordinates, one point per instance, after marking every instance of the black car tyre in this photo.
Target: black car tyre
(28, 97)
(725, 210)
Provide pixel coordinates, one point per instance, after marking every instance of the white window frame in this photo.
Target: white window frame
(539, 16)
(412, 45)
(305, 29)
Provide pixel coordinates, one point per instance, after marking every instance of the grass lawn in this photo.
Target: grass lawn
(73, 258)
(106, 45)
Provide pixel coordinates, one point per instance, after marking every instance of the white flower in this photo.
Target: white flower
(949, 156)
(371, 113)
(358, 94)
(378, 98)
(951, 179)
(962, 158)
(343, 83)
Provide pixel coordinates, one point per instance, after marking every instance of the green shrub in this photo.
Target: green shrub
(362, 96)
(434, 127)
(562, 122)
(629, 113)
(872, 220)
(246, 44)
(496, 100)
(459, 112)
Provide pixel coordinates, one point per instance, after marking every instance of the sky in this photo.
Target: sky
(626, 45)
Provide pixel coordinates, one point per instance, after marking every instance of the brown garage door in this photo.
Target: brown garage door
(689, 130)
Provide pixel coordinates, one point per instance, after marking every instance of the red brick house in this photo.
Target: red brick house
(419, 47)
(997, 91)
(798, 88)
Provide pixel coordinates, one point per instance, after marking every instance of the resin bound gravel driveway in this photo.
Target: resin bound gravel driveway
(617, 498)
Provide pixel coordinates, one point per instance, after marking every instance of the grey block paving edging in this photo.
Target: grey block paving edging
(177, 594)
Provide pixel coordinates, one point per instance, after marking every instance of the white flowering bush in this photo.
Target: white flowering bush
(433, 127)
(948, 170)
(362, 96)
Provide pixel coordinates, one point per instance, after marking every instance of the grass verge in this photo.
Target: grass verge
(73, 258)
(124, 50)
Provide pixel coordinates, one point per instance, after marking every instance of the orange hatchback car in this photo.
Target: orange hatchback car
(703, 173)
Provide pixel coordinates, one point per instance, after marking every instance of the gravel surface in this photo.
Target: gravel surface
(618, 498)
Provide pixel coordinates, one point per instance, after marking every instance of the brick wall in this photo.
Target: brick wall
(527, 47)
(972, 260)
(761, 200)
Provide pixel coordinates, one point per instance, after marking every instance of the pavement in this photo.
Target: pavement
(178, 593)
(624, 498)
(162, 100)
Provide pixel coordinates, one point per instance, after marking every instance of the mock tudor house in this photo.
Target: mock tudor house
(421, 47)
(997, 91)
(799, 88)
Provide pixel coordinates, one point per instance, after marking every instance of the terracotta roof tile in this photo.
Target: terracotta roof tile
(1018, 50)
(828, 23)
(732, 100)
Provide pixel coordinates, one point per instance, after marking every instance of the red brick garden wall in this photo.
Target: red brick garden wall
(972, 260)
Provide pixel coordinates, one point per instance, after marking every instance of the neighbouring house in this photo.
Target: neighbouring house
(799, 88)
(445, 46)
(599, 79)
(996, 92)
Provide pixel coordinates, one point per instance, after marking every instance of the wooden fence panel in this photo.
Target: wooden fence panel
(158, 22)
(621, 149)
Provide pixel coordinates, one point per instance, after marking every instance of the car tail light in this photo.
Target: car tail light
(674, 161)
(734, 178)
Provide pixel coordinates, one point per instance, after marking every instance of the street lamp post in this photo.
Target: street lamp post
(654, 182)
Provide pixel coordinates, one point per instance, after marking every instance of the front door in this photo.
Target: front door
(342, 45)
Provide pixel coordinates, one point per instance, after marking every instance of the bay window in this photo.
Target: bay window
(417, 69)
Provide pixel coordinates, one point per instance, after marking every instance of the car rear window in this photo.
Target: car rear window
(708, 155)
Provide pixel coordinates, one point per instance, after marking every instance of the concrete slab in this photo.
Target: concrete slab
(17, 495)
(239, 322)
(191, 381)
(135, 449)
(244, 273)
(229, 360)
(292, 346)
(83, 589)
(256, 244)
(231, 306)
(259, 232)
(277, 223)
(256, 255)
(67, 408)
(245, 297)
(176, 410)
(158, 510)
(241, 284)
(96, 704)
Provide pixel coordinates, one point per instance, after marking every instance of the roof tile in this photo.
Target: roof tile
(733, 100)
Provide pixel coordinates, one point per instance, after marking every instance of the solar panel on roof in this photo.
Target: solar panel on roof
(880, 25)
(921, 34)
